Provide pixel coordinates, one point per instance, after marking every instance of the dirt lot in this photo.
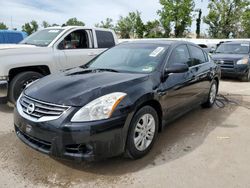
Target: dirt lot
(205, 148)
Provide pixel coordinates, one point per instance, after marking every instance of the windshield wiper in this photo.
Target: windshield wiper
(105, 69)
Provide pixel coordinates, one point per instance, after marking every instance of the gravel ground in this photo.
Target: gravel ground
(205, 148)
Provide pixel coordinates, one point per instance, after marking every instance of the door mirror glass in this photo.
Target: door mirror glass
(177, 68)
(212, 50)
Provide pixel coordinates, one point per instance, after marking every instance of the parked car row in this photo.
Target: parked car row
(101, 103)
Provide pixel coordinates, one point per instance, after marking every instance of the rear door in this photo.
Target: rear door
(200, 68)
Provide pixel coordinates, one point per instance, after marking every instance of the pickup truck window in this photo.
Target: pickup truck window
(76, 40)
(42, 38)
(105, 39)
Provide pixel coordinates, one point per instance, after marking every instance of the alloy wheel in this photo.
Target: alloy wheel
(144, 132)
(213, 93)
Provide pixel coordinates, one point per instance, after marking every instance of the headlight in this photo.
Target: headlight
(243, 61)
(100, 108)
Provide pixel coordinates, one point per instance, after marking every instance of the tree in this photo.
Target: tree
(246, 24)
(139, 26)
(45, 24)
(176, 13)
(108, 24)
(74, 21)
(131, 25)
(124, 27)
(198, 24)
(224, 16)
(3, 26)
(153, 29)
(31, 27)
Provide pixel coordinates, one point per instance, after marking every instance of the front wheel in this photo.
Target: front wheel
(142, 132)
(246, 77)
(19, 82)
(212, 95)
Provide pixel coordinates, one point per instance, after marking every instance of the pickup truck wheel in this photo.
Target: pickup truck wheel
(19, 82)
(246, 77)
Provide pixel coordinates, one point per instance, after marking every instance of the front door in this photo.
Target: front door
(176, 90)
(76, 49)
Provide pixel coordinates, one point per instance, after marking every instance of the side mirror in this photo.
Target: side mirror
(177, 68)
(212, 50)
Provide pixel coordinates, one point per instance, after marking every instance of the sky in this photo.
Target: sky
(14, 13)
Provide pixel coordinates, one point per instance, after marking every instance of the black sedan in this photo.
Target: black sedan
(234, 59)
(118, 102)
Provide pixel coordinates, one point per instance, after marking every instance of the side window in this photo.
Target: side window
(197, 55)
(76, 40)
(180, 55)
(105, 39)
(206, 56)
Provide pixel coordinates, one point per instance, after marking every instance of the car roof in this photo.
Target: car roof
(237, 42)
(157, 41)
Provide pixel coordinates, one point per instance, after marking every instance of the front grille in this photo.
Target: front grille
(225, 63)
(38, 109)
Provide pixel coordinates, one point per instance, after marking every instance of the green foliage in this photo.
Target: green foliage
(224, 17)
(246, 23)
(130, 26)
(3, 26)
(31, 27)
(176, 13)
(45, 24)
(108, 24)
(139, 26)
(153, 29)
(74, 22)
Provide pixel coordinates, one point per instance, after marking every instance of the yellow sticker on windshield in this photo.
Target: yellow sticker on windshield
(156, 52)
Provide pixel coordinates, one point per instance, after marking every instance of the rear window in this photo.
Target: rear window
(105, 39)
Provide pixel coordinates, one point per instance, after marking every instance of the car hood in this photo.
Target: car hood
(233, 57)
(78, 87)
(14, 46)
(10, 50)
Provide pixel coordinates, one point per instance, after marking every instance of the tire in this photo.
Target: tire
(136, 151)
(212, 95)
(246, 77)
(19, 82)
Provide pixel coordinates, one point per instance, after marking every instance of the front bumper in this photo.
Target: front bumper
(236, 71)
(79, 141)
(3, 91)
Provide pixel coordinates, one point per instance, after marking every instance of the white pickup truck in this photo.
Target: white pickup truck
(48, 51)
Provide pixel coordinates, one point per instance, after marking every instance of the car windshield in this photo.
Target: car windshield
(139, 58)
(42, 38)
(235, 48)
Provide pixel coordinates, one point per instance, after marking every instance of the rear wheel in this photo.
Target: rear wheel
(142, 133)
(212, 95)
(19, 82)
(246, 77)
